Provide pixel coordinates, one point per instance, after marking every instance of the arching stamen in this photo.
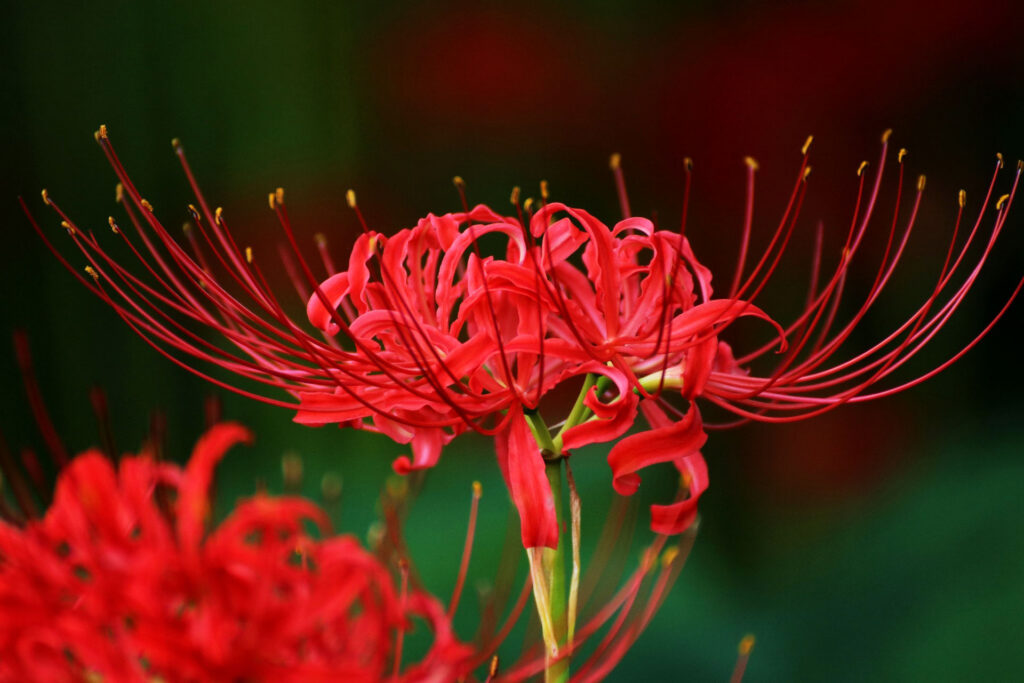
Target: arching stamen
(467, 550)
(615, 164)
(745, 648)
(748, 222)
(35, 398)
(812, 289)
(492, 670)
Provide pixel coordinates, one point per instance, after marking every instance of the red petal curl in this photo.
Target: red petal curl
(662, 444)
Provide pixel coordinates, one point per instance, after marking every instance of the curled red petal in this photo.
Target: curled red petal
(426, 449)
(663, 444)
(193, 502)
(677, 517)
(335, 289)
(611, 421)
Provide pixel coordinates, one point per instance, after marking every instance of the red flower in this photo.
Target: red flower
(120, 581)
(425, 335)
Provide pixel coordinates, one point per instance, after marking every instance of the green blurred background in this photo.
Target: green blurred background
(881, 542)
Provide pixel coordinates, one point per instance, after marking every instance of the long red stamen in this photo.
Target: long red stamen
(745, 648)
(35, 399)
(615, 164)
(467, 550)
(748, 222)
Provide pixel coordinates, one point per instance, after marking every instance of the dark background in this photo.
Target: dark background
(879, 542)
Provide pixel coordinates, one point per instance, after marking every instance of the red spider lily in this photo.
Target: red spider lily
(437, 338)
(118, 581)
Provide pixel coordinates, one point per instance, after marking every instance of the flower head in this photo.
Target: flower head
(120, 578)
(469, 319)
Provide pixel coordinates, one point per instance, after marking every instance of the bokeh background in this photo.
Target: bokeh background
(881, 542)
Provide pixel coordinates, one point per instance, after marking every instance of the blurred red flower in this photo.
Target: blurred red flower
(121, 579)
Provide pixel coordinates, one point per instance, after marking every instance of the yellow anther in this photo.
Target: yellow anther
(218, 214)
(544, 190)
(807, 172)
(186, 228)
(671, 553)
(688, 163)
(1001, 201)
(46, 196)
(272, 200)
(67, 226)
(885, 135)
(320, 240)
(92, 273)
(176, 144)
(528, 203)
(279, 195)
(920, 183)
(903, 153)
(746, 645)
(119, 193)
(194, 212)
(751, 163)
(962, 198)
(807, 145)
(493, 670)
(113, 225)
(478, 489)
(459, 182)
(1000, 157)
(248, 254)
(350, 197)
(514, 197)
(860, 169)
(614, 161)
(146, 205)
(103, 131)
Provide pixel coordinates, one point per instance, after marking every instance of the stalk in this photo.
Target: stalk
(556, 669)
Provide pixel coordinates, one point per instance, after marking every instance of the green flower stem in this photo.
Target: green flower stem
(580, 412)
(554, 566)
(542, 435)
